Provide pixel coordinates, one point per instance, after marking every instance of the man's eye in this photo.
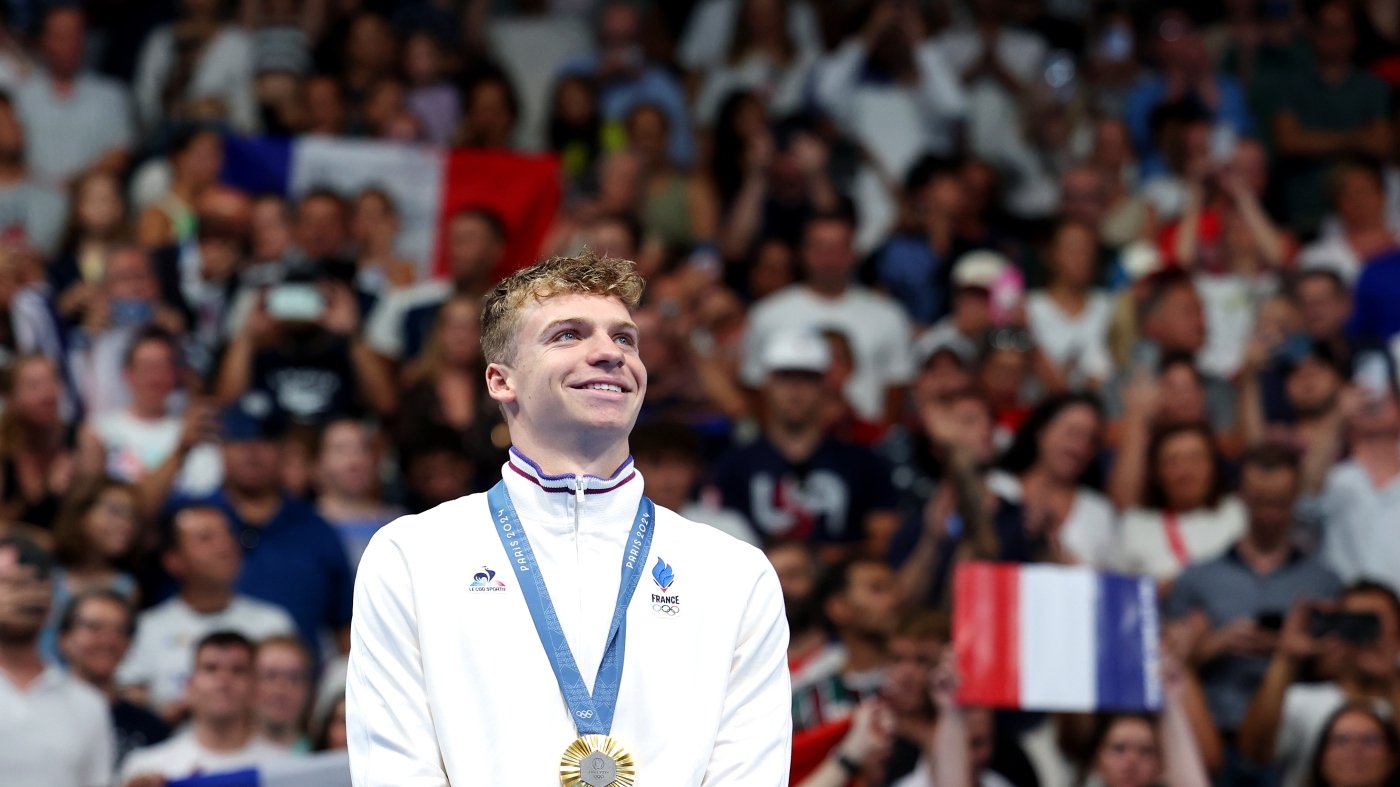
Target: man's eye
(625, 339)
(570, 335)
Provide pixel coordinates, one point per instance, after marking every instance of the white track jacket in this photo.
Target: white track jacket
(449, 684)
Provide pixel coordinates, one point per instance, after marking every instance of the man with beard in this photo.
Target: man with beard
(56, 729)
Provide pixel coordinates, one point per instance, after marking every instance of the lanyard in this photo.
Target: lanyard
(1175, 539)
(592, 714)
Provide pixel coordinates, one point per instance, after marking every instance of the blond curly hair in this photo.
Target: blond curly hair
(584, 274)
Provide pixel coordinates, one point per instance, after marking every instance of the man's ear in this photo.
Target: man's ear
(498, 383)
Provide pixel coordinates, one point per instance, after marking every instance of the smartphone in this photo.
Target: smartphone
(1355, 628)
(131, 313)
(1372, 375)
(297, 302)
(1223, 142)
(1269, 621)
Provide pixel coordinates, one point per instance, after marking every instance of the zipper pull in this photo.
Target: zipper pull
(578, 494)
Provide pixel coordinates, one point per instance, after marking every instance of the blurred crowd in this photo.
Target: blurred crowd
(1083, 282)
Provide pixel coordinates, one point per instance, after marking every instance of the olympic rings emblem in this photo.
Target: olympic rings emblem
(666, 609)
(584, 714)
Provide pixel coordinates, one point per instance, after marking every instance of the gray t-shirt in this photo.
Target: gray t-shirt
(1226, 590)
(66, 134)
(32, 216)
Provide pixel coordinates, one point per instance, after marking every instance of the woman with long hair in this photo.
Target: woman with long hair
(1357, 748)
(1050, 470)
(96, 538)
(97, 226)
(1185, 515)
(37, 457)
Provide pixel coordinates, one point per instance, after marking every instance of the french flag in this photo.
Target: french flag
(428, 185)
(328, 769)
(1055, 638)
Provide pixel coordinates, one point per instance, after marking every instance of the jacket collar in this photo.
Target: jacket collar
(565, 499)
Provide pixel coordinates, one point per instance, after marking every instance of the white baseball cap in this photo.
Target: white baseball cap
(982, 268)
(796, 351)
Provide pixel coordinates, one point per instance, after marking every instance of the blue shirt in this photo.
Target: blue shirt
(651, 85)
(1150, 92)
(1374, 316)
(297, 562)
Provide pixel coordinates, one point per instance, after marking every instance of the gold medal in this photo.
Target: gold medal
(597, 761)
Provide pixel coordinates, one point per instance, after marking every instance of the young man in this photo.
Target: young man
(205, 561)
(449, 681)
(221, 735)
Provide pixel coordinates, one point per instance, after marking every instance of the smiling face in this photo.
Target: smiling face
(575, 377)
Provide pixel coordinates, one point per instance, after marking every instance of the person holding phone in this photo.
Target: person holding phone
(1353, 644)
(1361, 495)
(1229, 610)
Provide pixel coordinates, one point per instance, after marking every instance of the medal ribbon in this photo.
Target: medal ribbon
(592, 713)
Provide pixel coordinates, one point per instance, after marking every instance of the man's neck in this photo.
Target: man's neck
(223, 735)
(829, 290)
(108, 685)
(1069, 298)
(207, 599)
(255, 508)
(1264, 553)
(20, 661)
(336, 506)
(863, 654)
(147, 411)
(795, 443)
(285, 735)
(11, 171)
(601, 460)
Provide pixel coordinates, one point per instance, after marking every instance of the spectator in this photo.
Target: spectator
(128, 302)
(444, 390)
(1047, 472)
(859, 599)
(37, 461)
(431, 99)
(797, 574)
(349, 494)
(1286, 717)
(375, 228)
(678, 209)
(325, 110)
(200, 67)
(668, 457)
(332, 734)
(436, 469)
(399, 325)
(222, 734)
(797, 481)
(369, 53)
(1328, 109)
(28, 324)
(57, 729)
(1184, 74)
(94, 635)
(200, 554)
(32, 215)
(1308, 420)
(1231, 607)
(139, 440)
(491, 111)
(917, 648)
(282, 673)
(877, 328)
(1357, 231)
(1185, 516)
(626, 78)
(1132, 751)
(916, 264)
(574, 128)
(96, 228)
(196, 156)
(763, 56)
(1324, 302)
(74, 121)
(1358, 746)
(1361, 495)
(291, 556)
(974, 311)
(97, 536)
(1069, 318)
(783, 184)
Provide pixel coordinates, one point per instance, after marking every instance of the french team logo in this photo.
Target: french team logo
(664, 576)
(485, 581)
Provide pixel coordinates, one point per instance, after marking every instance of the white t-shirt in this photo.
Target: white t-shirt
(1306, 709)
(182, 756)
(56, 733)
(162, 652)
(1077, 344)
(1361, 539)
(710, 30)
(66, 134)
(876, 327)
(136, 446)
(922, 777)
(1144, 546)
(223, 72)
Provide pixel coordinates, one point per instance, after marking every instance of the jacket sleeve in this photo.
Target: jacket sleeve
(389, 727)
(754, 745)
